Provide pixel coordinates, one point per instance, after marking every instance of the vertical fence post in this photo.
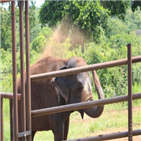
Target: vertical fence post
(130, 132)
(28, 90)
(1, 120)
(23, 106)
(15, 118)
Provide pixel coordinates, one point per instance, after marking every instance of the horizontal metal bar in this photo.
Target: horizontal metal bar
(85, 68)
(109, 136)
(82, 105)
(3, 1)
(24, 134)
(9, 95)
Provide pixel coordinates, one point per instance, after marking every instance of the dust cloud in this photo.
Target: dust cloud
(65, 30)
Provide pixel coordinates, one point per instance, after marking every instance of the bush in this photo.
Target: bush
(38, 43)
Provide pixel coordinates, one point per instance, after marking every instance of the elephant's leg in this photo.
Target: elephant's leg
(59, 132)
(66, 129)
(33, 133)
(58, 127)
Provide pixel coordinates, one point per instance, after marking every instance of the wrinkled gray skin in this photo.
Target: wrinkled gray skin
(59, 91)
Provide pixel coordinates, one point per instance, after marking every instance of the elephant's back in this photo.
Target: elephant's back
(47, 64)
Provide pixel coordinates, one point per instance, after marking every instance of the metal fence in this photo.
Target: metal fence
(26, 94)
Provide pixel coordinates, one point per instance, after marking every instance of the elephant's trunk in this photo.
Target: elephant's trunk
(95, 111)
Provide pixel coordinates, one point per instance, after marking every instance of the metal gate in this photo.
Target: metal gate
(25, 94)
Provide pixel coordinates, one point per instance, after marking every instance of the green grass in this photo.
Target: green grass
(6, 119)
(115, 116)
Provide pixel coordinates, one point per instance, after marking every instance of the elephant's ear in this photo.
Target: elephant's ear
(61, 84)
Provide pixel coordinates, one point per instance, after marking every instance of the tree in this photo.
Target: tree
(6, 36)
(116, 8)
(5, 29)
(38, 43)
(88, 16)
(135, 4)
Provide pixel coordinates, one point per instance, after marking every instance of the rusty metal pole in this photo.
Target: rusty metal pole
(28, 85)
(15, 118)
(110, 136)
(84, 68)
(23, 106)
(130, 132)
(81, 105)
(1, 121)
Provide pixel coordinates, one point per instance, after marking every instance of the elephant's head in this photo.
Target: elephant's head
(77, 88)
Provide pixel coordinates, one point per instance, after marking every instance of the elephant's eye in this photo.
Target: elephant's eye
(80, 87)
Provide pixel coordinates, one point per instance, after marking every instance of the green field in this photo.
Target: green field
(115, 116)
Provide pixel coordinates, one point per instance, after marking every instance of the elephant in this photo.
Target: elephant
(57, 91)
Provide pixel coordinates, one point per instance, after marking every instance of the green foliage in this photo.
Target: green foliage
(91, 16)
(33, 14)
(116, 8)
(34, 55)
(47, 32)
(34, 32)
(88, 16)
(35, 26)
(51, 12)
(63, 49)
(113, 80)
(6, 25)
(5, 29)
(135, 5)
(6, 61)
(38, 43)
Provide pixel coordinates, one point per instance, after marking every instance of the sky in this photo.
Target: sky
(38, 3)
